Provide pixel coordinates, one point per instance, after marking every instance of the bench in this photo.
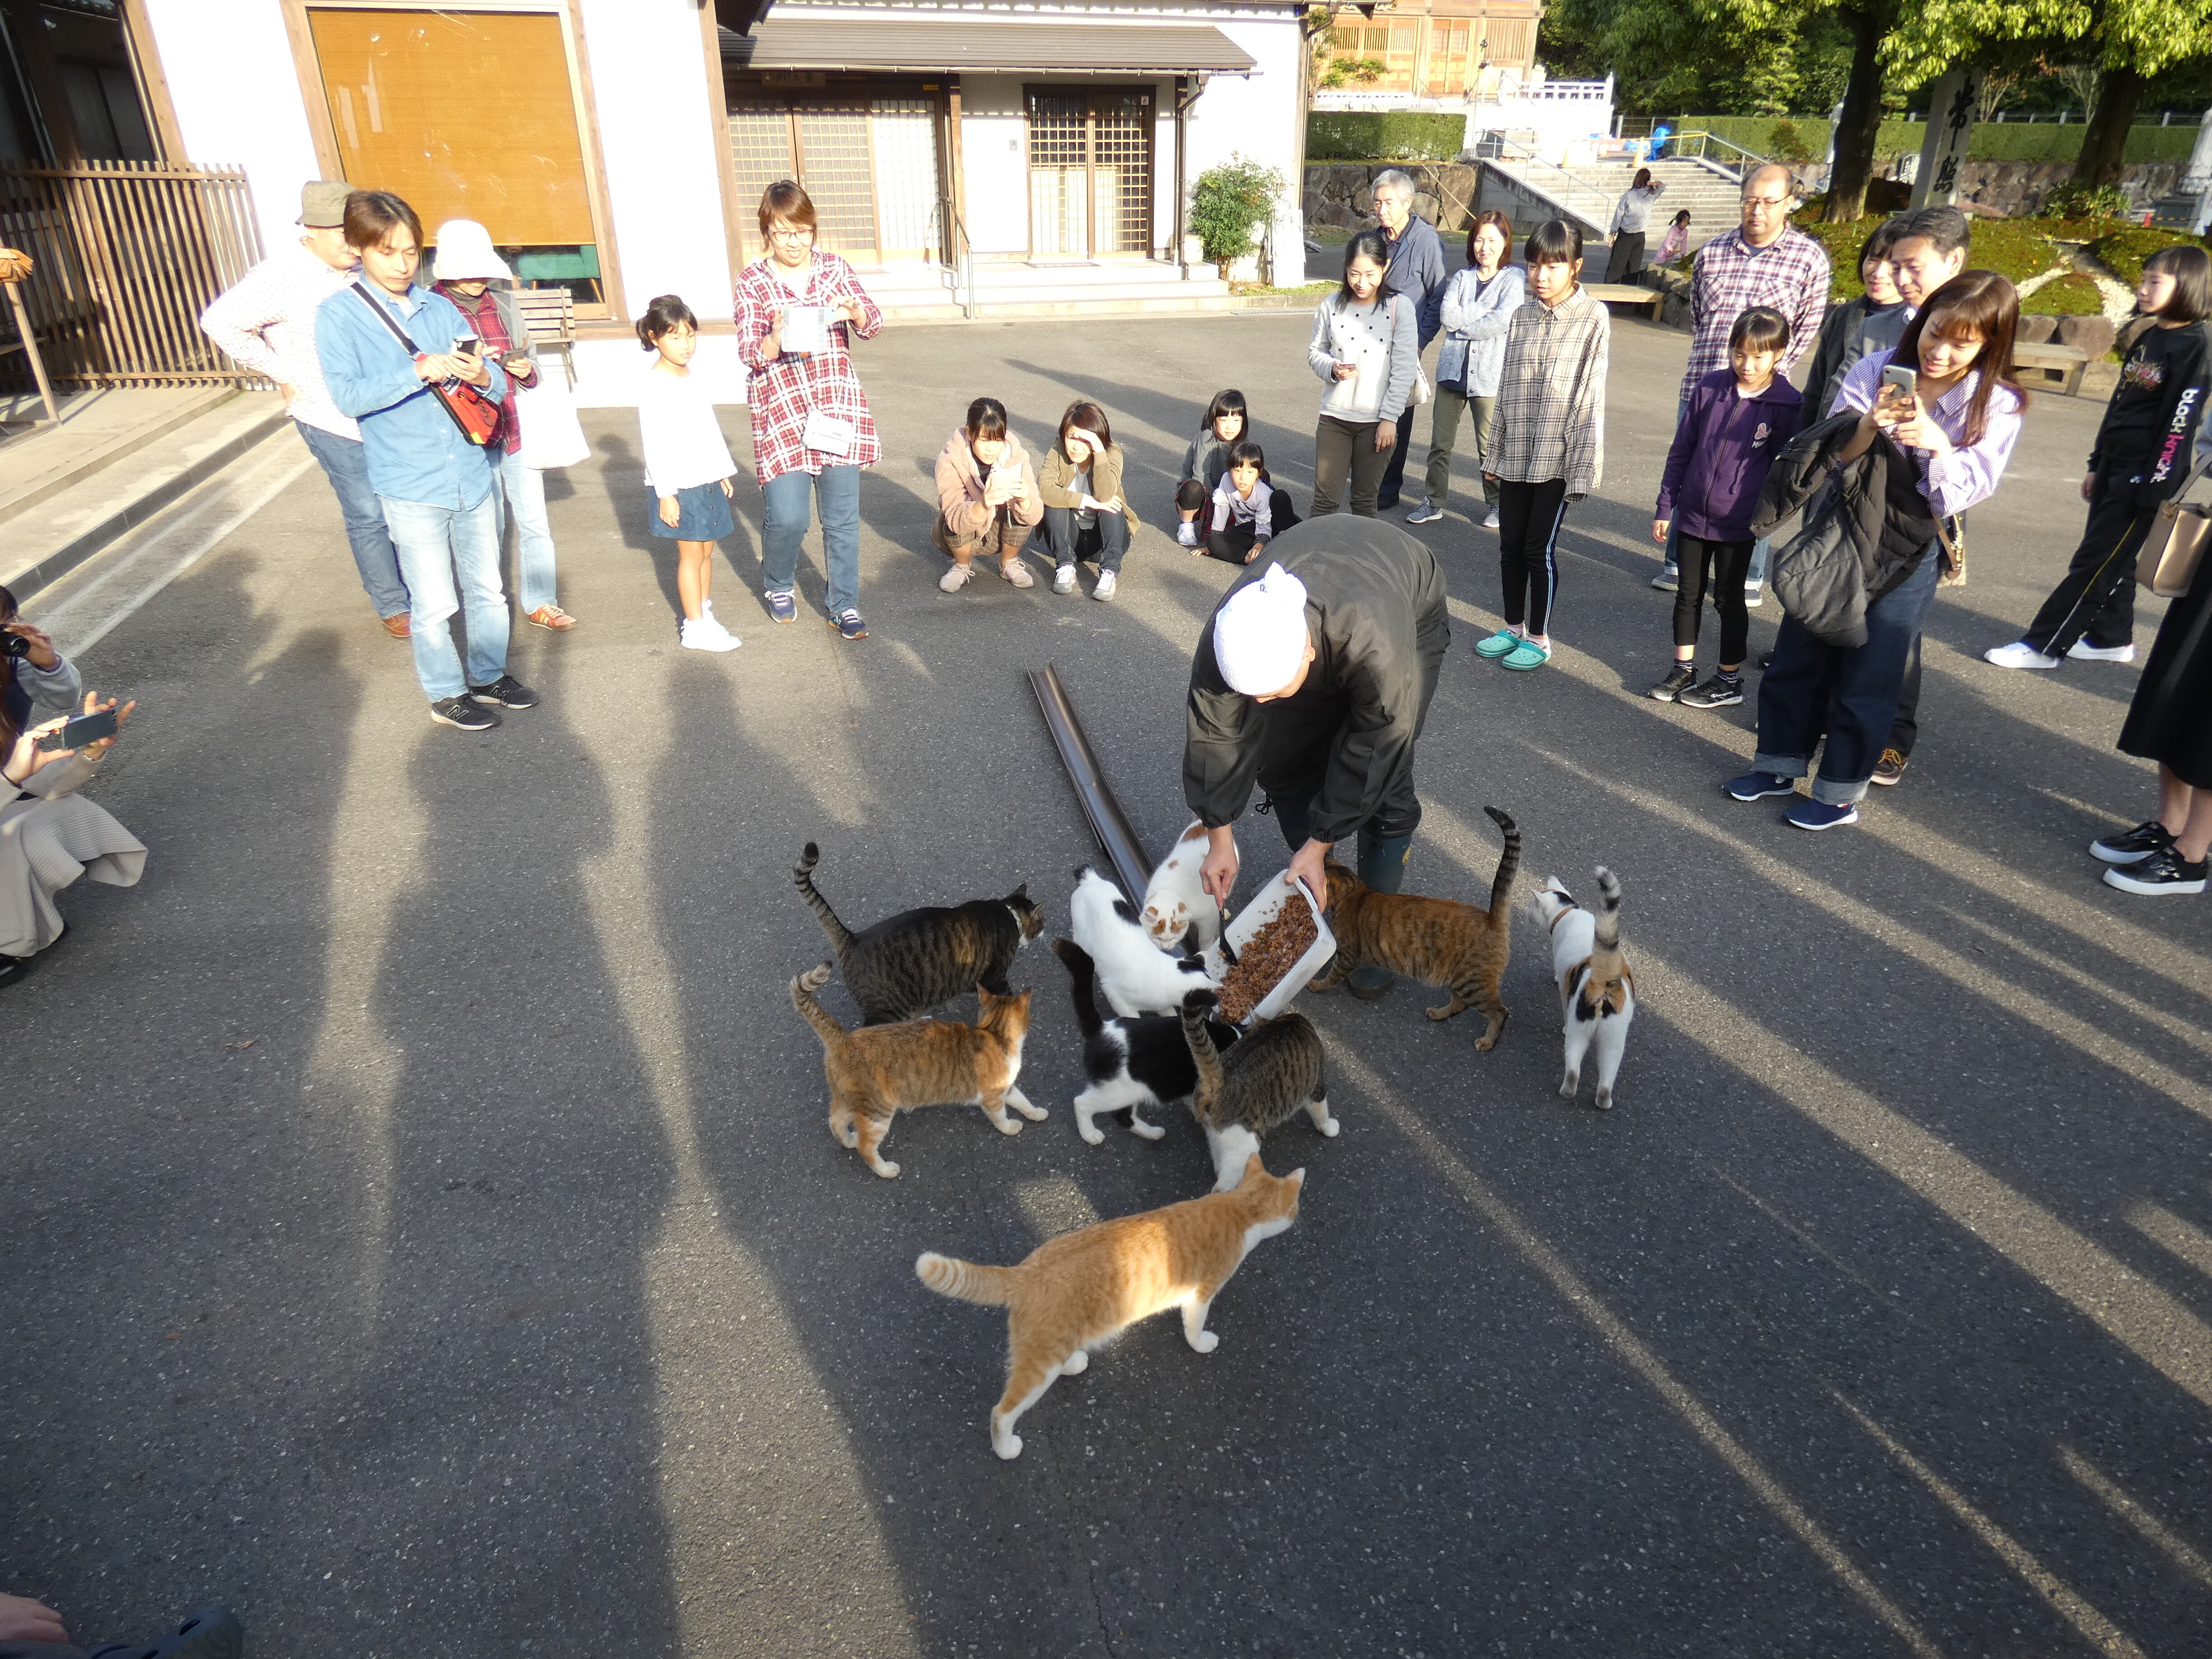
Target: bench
(1628, 294)
(550, 314)
(2056, 366)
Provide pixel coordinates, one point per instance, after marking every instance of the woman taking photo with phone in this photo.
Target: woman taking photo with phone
(49, 834)
(1366, 347)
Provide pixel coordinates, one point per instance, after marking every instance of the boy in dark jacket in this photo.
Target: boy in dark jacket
(1738, 420)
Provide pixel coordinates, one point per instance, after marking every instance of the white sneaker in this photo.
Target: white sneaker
(1187, 532)
(2019, 654)
(1491, 523)
(1107, 583)
(1063, 580)
(2083, 651)
(1753, 594)
(706, 635)
(955, 578)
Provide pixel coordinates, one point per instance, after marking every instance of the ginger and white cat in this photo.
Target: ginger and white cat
(1597, 992)
(1179, 915)
(878, 1072)
(1137, 977)
(1077, 1292)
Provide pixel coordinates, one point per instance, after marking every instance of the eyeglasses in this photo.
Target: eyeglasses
(1768, 202)
(792, 234)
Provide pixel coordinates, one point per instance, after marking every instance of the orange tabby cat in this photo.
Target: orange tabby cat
(1436, 941)
(1074, 1292)
(878, 1071)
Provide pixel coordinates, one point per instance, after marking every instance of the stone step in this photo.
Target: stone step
(43, 458)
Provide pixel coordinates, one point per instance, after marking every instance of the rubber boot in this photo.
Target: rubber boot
(1382, 869)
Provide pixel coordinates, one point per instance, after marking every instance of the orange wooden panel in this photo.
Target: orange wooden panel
(467, 114)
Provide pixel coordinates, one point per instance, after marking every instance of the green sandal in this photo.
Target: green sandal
(1497, 644)
(1525, 655)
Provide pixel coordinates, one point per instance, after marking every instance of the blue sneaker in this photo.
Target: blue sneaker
(1526, 655)
(783, 607)
(1810, 814)
(1497, 644)
(1757, 786)
(848, 624)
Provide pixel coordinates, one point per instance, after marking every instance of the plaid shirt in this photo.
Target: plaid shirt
(1550, 421)
(483, 315)
(786, 390)
(1791, 273)
(267, 323)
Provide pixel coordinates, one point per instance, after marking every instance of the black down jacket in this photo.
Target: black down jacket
(1866, 528)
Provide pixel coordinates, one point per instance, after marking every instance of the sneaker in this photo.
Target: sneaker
(552, 618)
(1063, 580)
(1757, 786)
(1766, 660)
(1426, 513)
(706, 635)
(848, 624)
(506, 691)
(1107, 583)
(1889, 768)
(2083, 651)
(1015, 572)
(1810, 814)
(1491, 523)
(1526, 655)
(955, 579)
(2141, 841)
(1680, 678)
(1668, 578)
(464, 712)
(1187, 532)
(1753, 595)
(783, 607)
(2163, 871)
(1721, 691)
(2019, 654)
(1497, 644)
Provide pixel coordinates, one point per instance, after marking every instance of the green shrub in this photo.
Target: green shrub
(1397, 135)
(2014, 248)
(2122, 251)
(1992, 140)
(2071, 295)
(1231, 203)
(2102, 202)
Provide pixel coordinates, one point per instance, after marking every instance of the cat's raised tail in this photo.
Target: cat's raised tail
(1083, 989)
(802, 876)
(1198, 1007)
(970, 1281)
(1509, 865)
(1607, 967)
(802, 997)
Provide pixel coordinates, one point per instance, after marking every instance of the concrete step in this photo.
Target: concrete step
(89, 511)
(43, 458)
(993, 309)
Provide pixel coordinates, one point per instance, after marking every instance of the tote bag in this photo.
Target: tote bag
(552, 437)
(2175, 546)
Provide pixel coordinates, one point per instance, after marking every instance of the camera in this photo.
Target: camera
(13, 645)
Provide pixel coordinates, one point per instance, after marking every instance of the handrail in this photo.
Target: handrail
(1679, 147)
(960, 256)
(1524, 157)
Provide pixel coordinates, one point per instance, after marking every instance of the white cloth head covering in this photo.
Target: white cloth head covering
(1260, 635)
(465, 253)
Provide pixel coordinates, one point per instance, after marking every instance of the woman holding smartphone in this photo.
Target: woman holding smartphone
(49, 834)
(1366, 348)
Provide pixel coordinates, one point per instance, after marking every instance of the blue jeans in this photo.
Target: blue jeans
(1673, 558)
(1852, 692)
(436, 545)
(345, 463)
(523, 490)
(837, 490)
(1065, 541)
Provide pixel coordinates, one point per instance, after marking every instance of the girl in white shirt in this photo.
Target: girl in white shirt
(687, 466)
(1249, 510)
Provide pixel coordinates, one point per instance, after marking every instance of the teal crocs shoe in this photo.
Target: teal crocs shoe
(1525, 655)
(1497, 644)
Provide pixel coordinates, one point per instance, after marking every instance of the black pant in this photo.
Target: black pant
(1345, 449)
(1727, 561)
(1394, 467)
(1234, 544)
(1529, 520)
(1067, 541)
(2096, 598)
(1625, 257)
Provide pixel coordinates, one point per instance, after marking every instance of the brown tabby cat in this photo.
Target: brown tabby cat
(1076, 1291)
(878, 1071)
(1274, 1071)
(1436, 941)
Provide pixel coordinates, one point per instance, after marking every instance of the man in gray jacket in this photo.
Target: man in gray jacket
(1417, 271)
(1312, 678)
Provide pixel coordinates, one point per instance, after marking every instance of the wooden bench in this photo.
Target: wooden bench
(2058, 368)
(550, 314)
(1628, 294)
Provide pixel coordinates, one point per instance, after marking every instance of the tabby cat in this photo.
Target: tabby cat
(1597, 992)
(1273, 1072)
(878, 1071)
(1128, 1063)
(1076, 1291)
(917, 960)
(1436, 941)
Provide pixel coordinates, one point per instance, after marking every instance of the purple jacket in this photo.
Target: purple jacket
(1721, 450)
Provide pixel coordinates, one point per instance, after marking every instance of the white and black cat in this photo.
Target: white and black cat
(1128, 1063)
(1597, 992)
(1136, 977)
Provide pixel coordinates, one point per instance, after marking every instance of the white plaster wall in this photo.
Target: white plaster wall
(1257, 117)
(995, 163)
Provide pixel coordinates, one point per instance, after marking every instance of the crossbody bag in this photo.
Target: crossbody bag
(475, 412)
(2175, 546)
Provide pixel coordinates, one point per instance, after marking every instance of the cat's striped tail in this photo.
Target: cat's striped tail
(1606, 964)
(802, 997)
(1509, 865)
(969, 1280)
(802, 876)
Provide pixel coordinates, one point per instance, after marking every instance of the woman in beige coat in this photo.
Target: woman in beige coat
(49, 834)
(1085, 515)
(987, 497)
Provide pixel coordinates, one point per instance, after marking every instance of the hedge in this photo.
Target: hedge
(2071, 295)
(1380, 134)
(1992, 140)
(2014, 248)
(2122, 251)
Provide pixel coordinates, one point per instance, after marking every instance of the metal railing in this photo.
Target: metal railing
(1713, 151)
(1591, 202)
(959, 251)
(127, 255)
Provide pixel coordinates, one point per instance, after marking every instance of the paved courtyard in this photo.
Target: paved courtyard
(421, 1233)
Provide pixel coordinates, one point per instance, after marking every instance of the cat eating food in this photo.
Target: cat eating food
(1179, 915)
(878, 1071)
(1136, 977)
(909, 963)
(1597, 992)
(1076, 1291)
(1127, 1063)
(1436, 941)
(1273, 1073)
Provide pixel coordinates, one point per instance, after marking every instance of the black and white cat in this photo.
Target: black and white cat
(1597, 992)
(1137, 977)
(1129, 1063)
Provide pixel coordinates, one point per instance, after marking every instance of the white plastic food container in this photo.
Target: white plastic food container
(1261, 911)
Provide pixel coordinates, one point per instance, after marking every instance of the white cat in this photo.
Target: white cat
(1176, 901)
(1137, 978)
(1597, 992)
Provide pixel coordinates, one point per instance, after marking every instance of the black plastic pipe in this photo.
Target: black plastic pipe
(1117, 838)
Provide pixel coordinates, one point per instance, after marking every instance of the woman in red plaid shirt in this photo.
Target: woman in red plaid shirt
(797, 309)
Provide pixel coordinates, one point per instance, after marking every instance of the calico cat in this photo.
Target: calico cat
(878, 1071)
(1273, 1072)
(909, 963)
(1179, 915)
(1128, 1063)
(1076, 1291)
(1597, 992)
(1436, 941)
(1137, 978)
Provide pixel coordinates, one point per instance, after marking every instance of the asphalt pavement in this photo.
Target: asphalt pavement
(421, 1233)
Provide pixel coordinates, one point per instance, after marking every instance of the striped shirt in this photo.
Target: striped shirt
(267, 322)
(1551, 395)
(1791, 273)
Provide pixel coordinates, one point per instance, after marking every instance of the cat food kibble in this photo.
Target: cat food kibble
(1260, 965)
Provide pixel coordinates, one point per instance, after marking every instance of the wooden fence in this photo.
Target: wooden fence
(127, 256)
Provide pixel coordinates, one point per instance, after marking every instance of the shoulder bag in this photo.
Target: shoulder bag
(2175, 546)
(475, 413)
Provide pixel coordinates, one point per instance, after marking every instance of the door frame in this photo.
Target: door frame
(1152, 93)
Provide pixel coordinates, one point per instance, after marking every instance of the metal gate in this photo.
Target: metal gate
(1091, 172)
(127, 254)
(870, 165)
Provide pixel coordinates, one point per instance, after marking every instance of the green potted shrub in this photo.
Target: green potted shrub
(1231, 204)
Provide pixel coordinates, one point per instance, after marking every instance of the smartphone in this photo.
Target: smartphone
(1902, 379)
(467, 346)
(87, 728)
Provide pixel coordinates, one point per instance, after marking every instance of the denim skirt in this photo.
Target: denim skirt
(702, 514)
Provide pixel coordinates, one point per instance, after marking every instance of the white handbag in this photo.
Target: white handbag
(552, 437)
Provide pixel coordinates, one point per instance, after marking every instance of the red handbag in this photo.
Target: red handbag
(473, 410)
